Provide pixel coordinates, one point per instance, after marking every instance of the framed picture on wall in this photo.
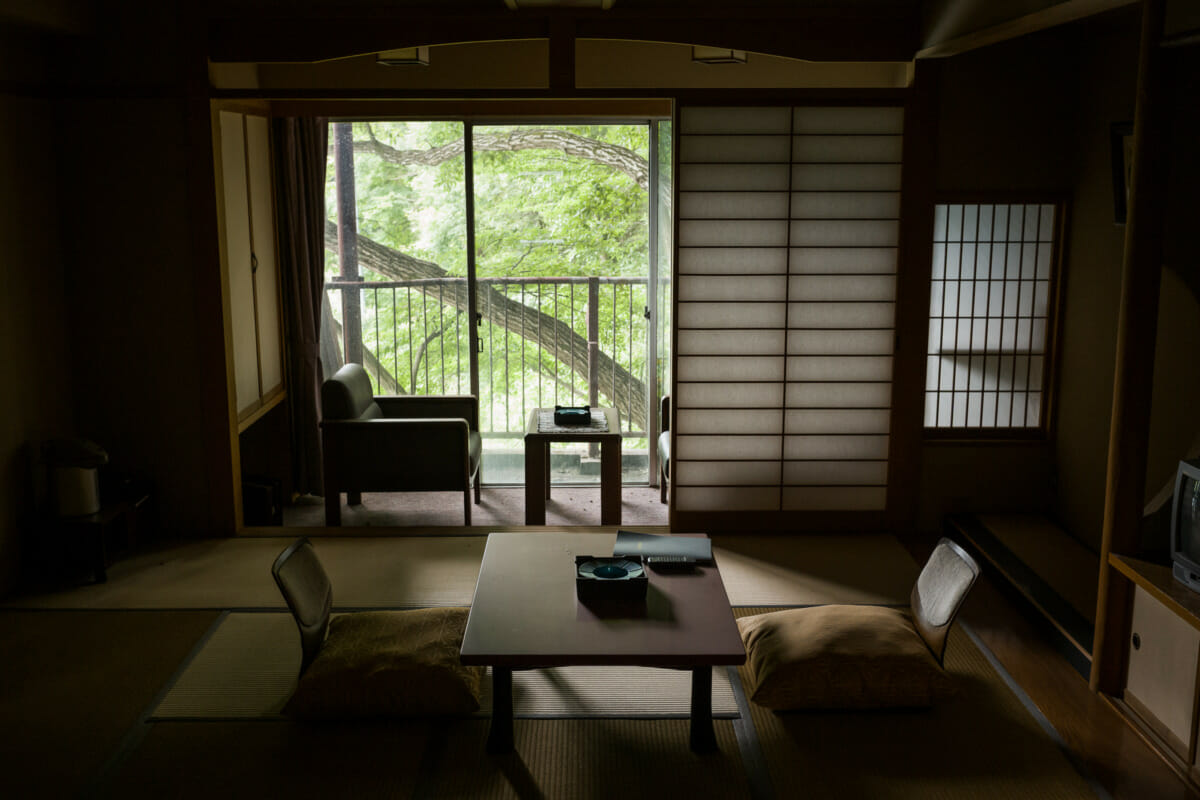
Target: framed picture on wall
(1122, 168)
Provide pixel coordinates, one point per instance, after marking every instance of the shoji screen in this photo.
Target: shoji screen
(788, 226)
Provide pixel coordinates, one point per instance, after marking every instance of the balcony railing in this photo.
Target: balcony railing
(543, 342)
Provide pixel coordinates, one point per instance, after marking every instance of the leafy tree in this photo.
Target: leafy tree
(567, 201)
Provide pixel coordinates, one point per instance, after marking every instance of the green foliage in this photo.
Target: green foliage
(538, 213)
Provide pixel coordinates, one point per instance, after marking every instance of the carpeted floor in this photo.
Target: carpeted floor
(109, 671)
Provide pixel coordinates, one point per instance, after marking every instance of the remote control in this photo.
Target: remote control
(670, 562)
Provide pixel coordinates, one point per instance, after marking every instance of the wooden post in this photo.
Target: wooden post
(593, 335)
(474, 315)
(912, 292)
(1137, 327)
(219, 504)
(593, 339)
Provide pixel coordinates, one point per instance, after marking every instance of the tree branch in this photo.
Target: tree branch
(548, 332)
(615, 156)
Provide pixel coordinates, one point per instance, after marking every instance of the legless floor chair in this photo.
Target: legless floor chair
(371, 663)
(847, 656)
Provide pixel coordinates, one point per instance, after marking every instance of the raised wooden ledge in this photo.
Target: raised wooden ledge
(1051, 571)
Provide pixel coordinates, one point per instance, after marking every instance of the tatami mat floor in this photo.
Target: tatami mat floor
(156, 616)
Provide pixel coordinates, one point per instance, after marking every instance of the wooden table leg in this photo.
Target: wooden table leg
(702, 738)
(546, 461)
(333, 508)
(610, 481)
(535, 477)
(500, 734)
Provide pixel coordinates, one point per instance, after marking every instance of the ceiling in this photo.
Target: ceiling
(816, 30)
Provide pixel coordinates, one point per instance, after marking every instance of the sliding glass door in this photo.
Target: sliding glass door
(395, 260)
(563, 272)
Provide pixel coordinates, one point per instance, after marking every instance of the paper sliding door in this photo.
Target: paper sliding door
(788, 229)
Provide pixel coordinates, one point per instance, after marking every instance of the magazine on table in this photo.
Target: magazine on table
(653, 545)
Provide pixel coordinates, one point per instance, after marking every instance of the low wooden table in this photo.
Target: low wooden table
(526, 615)
(537, 465)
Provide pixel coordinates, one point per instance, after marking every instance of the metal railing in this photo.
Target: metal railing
(543, 342)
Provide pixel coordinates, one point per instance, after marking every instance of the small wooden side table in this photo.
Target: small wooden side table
(68, 550)
(537, 465)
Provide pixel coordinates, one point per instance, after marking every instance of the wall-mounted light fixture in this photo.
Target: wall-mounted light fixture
(717, 55)
(406, 56)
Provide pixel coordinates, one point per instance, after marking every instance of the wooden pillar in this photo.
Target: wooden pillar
(474, 315)
(1137, 327)
(220, 500)
(912, 292)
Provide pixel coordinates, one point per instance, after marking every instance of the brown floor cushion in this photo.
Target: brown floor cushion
(840, 657)
(389, 663)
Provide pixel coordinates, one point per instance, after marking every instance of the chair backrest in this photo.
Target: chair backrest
(348, 395)
(306, 588)
(941, 587)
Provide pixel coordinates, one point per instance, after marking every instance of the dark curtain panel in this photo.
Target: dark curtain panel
(300, 148)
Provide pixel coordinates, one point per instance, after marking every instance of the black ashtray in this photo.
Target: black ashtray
(612, 579)
(572, 415)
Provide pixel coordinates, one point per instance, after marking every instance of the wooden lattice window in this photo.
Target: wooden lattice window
(992, 317)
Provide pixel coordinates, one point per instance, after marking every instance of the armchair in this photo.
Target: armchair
(664, 450)
(395, 444)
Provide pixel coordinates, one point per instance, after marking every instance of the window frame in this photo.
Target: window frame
(1047, 417)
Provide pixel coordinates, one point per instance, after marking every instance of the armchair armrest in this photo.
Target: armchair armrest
(665, 413)
(430, 407)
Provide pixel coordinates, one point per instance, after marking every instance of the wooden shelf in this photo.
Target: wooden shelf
(1159, 582)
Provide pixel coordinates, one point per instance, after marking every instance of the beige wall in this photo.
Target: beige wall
(1108, 71)
(132, 295)
(107, 322)
(1175, 418)
(35, 396)
(1034, 115)
(143, 275)
(1175, 415)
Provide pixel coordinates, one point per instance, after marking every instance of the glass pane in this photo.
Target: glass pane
(562, 239)
(990, 310)
(397, 293)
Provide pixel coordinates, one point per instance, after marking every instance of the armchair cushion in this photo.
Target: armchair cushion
(389, 663)
(840, 657)
(348, 395)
